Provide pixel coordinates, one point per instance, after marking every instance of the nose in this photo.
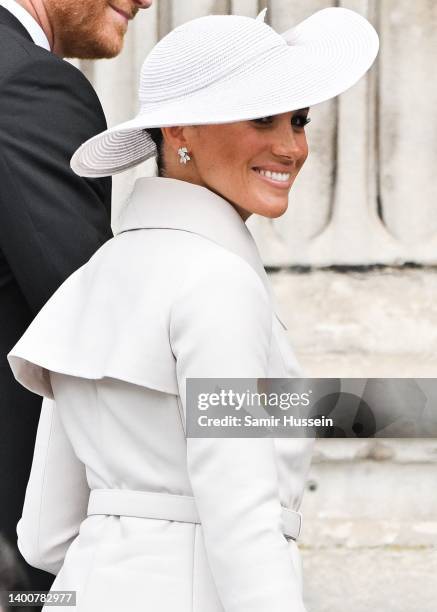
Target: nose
(287, 144)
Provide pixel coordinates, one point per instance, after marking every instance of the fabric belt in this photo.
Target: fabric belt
(166, 506)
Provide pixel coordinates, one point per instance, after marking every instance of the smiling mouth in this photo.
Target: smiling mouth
(280, 179)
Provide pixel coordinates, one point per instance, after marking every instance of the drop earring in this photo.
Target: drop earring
(183, 155)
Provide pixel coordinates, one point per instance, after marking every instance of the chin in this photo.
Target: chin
(111, 49)
(95, 50)
(110, 42)
(272, 210)
(274, 214)
(104, 45)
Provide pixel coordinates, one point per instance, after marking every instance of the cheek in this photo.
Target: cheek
(218, 153)
(304, 151)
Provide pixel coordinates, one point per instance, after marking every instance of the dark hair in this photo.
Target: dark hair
(156, 136)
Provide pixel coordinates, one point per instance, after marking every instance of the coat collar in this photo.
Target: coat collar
(172, 204)
(15, 16)
(7, 19)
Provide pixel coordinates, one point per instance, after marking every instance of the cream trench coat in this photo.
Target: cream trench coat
(179, 292)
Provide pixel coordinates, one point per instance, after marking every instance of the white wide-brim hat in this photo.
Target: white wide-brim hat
(227, 68)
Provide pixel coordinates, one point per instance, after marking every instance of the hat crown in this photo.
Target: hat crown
(201, 52)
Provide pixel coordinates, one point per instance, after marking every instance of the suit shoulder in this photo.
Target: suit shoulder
(48, 67)
(15, 51)
(24, 61)
(53, 89)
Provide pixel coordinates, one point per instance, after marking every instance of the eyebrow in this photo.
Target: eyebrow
(302, 110)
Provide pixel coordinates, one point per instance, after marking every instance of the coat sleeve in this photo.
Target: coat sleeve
(51, 220)
(221, 326)
(56, 497)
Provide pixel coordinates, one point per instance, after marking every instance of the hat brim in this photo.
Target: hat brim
(326, 54)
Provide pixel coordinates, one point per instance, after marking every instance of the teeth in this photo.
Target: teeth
(283, 177)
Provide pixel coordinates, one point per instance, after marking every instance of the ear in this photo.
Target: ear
(175, 137)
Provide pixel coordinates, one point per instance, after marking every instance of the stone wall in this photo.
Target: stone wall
(370, 537)
(369, 541)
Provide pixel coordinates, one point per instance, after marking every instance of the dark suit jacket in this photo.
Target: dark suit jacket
(51, 221)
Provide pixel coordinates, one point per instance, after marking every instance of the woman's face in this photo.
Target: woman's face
(252, 164)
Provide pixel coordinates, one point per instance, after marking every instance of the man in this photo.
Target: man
(51, 221)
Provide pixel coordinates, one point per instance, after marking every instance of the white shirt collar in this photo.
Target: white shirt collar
(27, 21)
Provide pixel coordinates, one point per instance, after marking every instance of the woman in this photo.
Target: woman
(121, 505)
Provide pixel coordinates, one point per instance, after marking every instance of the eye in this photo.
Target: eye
(263, 120)
(300, 121)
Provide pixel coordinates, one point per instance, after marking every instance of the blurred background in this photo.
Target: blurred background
(352, 263)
